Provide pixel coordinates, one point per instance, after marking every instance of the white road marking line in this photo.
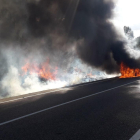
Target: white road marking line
(46, 109)
(55, 90)
(136, 136)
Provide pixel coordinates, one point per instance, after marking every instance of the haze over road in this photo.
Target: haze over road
(102, 110)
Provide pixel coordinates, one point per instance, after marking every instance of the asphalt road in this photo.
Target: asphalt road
(103, 110)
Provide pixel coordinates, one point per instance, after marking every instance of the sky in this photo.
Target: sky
(127, 14)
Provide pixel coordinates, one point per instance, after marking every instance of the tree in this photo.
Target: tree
(128, 32)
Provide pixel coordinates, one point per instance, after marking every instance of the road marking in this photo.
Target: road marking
(46, 109)
(55, 90)
(136, 136)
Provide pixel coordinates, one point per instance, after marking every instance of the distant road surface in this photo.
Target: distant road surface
(102, 110)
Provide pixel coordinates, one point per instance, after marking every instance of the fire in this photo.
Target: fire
(90, 75)
(44, 70)
(127, 72)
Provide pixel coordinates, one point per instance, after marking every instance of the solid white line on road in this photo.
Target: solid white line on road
(46, 109)
(136, 136)
(55, 90)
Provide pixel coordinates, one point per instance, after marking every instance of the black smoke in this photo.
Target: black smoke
(50, 26)
(32, 29)
(103, 47)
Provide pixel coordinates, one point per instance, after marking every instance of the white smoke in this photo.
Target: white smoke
(14, 84)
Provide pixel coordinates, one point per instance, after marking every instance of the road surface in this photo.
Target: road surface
(102, 110)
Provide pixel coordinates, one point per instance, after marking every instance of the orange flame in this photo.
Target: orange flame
(44, 70)
(127, 72)
(91, 75)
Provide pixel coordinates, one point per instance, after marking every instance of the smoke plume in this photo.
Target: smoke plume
(68, 33)
(103, 46)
